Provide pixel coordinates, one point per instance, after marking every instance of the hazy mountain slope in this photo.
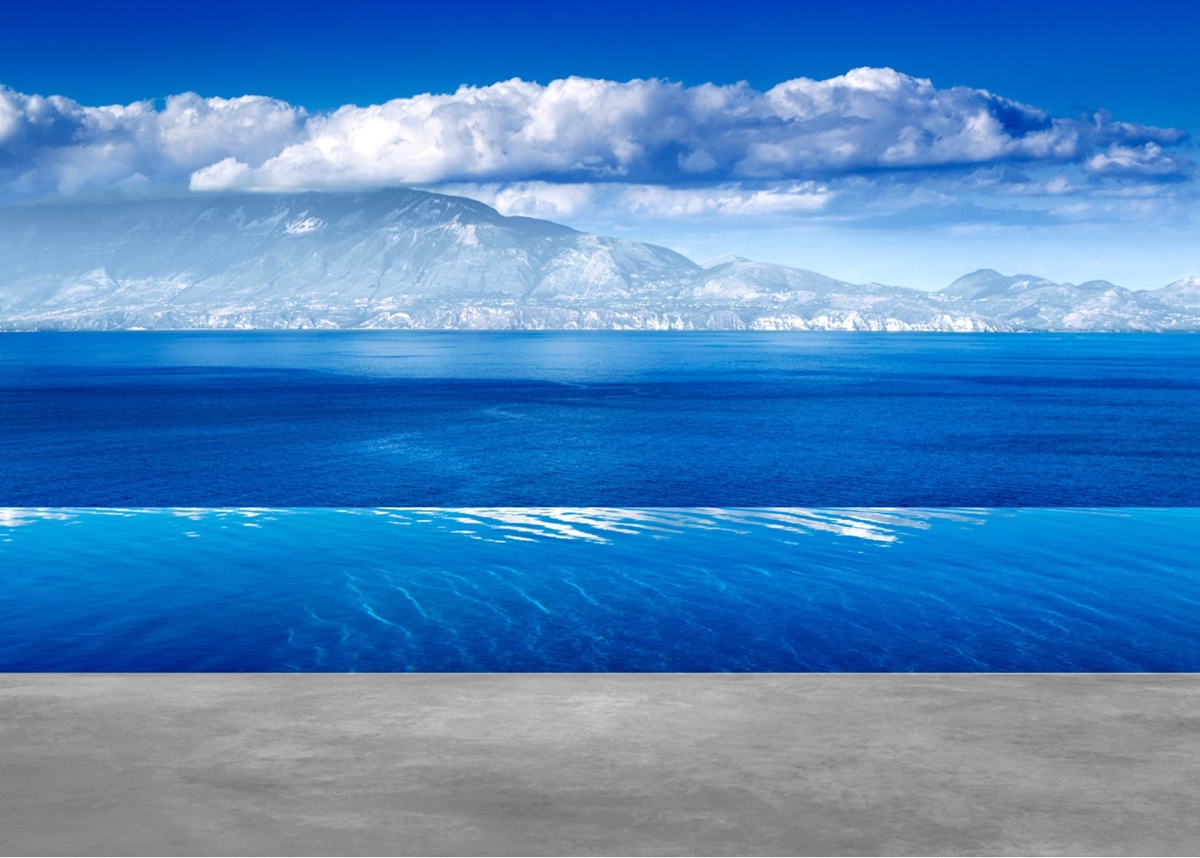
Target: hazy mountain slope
(1025, 302)
(270, 260)
(1181, 302)
(403, 258)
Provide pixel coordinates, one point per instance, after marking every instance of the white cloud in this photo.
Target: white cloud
(529, 199)
(728, 200)
(650, 148)
(569, 200)
(1145, 161)
(50, 145)
(653, 131)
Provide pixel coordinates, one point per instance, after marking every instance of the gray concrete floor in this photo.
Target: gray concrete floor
(599, 764)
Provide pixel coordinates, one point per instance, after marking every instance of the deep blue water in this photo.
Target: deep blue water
(614, 419)
(1078, 456)
(600, 590)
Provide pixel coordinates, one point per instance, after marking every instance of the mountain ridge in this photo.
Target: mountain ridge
(402, 258)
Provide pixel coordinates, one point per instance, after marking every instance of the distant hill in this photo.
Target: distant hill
(1028, 303)
(409, 259)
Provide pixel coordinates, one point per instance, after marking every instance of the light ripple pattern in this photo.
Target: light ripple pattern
(599, 589)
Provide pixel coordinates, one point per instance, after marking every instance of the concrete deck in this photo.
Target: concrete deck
(599, 764)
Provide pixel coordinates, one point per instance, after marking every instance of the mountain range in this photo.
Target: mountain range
(403, 258)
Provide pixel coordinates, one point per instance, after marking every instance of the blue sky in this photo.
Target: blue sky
(1055, 139)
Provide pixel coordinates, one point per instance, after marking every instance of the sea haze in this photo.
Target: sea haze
(372, 418)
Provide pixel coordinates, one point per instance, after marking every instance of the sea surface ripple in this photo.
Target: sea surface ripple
(599, 589)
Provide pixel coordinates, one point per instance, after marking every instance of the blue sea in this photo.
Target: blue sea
(600, 589)
(383, 501)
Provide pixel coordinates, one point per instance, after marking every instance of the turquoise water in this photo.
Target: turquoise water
(599, 589)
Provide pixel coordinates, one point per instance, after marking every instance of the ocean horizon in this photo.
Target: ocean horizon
(624, 419)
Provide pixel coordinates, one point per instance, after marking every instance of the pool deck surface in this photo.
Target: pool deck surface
(617, 764)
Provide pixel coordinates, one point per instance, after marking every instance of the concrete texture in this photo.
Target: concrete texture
(599, 764)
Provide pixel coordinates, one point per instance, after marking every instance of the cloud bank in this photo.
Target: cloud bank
(55, 145)
(652, 131)
(652, 148)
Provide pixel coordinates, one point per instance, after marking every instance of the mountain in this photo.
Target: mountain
(1182, 295)
(1025, 302)
(409, 259)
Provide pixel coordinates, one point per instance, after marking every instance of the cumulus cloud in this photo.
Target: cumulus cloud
(653, 147)
(1146, 161)
(653, 131)
(51, 145)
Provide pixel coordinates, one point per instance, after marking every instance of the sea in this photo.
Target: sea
(599, 501)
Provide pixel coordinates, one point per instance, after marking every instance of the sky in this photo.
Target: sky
(904, 143)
